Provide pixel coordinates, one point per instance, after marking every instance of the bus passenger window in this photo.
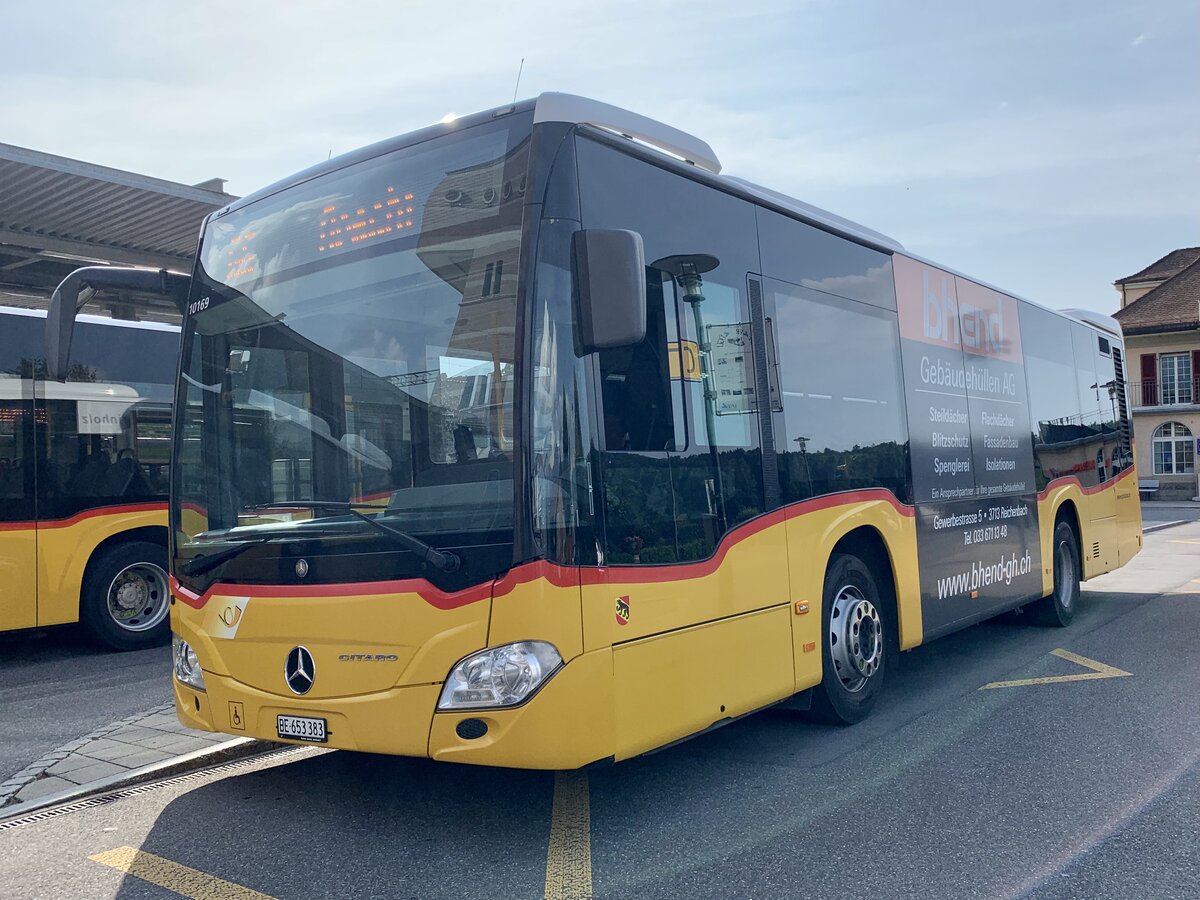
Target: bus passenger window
(15, 435)
(842, 401)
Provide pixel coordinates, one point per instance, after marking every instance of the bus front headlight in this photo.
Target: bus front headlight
(187, 666)
(501, 676)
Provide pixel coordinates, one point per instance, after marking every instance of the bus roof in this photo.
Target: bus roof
(553, 107)
(11, 389)
(90, 319)
(679, 146)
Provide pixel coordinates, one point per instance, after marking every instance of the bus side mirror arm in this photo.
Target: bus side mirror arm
(77, 289)
(610, 287)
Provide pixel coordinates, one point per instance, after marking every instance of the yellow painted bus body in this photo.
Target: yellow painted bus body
(651, 654)
(42, 564)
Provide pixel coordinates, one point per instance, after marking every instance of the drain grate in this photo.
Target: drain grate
(133, 791)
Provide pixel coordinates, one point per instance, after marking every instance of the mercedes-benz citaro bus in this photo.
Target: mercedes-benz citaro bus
(83, 478)
(531, 440)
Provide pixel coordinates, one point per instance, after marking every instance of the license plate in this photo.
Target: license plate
(301, 728)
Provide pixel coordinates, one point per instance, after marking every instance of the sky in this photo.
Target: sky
(1047, 147)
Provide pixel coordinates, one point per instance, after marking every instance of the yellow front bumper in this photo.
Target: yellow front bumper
(567, 724)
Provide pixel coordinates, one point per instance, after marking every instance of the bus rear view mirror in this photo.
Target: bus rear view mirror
(610, 287)
(77, 289)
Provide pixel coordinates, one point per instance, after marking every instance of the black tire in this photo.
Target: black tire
(1058, 609)
(126, 600)
(856, 633)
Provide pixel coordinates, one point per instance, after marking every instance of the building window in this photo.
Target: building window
(1175, 377)
(1173, 450)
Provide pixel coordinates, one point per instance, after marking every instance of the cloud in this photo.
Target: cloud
(941, 129)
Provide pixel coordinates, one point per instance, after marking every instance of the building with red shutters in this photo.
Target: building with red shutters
(1160, 315)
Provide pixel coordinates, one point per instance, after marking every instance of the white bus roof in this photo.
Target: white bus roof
(90, 319)
(574, 110)
(571, 109)
(12, 389)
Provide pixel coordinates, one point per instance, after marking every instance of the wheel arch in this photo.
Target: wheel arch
(1068, 512)
(869, 545)
(68, 551)
(153, 534)
(94, 611)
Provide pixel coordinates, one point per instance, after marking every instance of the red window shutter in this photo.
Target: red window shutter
(1149, 379)
(1195, 376)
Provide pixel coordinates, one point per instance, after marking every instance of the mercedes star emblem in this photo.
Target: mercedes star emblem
(300, 671)
(301, 568)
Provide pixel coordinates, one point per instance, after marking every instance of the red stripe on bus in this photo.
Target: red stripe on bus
(85, 514)
(419, 586)
(1071, 479)
(702, 568)
(557, 575)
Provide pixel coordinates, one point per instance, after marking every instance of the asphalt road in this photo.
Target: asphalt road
(1078, 789)
(55, 687)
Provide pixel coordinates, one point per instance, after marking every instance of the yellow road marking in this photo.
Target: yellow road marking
(569, 859)
(1182, 541)
(187, 882)
(1099, 670)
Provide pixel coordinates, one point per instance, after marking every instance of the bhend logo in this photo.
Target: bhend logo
(977, 329)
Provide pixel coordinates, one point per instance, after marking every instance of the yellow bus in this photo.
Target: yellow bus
(84, 478)
(532, 440)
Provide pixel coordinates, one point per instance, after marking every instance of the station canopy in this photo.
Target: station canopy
(57, 214)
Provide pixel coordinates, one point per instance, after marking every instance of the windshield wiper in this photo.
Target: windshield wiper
(443, 560)
(209, 561)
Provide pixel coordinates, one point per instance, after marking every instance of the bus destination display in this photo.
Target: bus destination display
(347, 222)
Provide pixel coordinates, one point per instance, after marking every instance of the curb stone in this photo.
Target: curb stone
(187, 743)
(214, 755)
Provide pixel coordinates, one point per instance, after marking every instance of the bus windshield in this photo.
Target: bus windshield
(351, 339)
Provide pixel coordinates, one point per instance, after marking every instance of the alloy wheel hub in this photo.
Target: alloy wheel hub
(855, 638)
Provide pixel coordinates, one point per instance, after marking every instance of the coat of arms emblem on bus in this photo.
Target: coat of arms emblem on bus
(622, 610)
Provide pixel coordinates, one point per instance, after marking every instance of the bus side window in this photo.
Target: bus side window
(1059, 433)
(16, 419)
(843, 408)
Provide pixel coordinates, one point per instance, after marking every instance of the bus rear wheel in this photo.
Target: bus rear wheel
(126, 599)
(855, 632)
(1058, 609)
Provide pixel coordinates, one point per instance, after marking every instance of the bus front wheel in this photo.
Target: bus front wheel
(1058, 609)
(855, 634)
(126, 600)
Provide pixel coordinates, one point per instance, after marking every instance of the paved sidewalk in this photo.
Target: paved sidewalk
(141, 740)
